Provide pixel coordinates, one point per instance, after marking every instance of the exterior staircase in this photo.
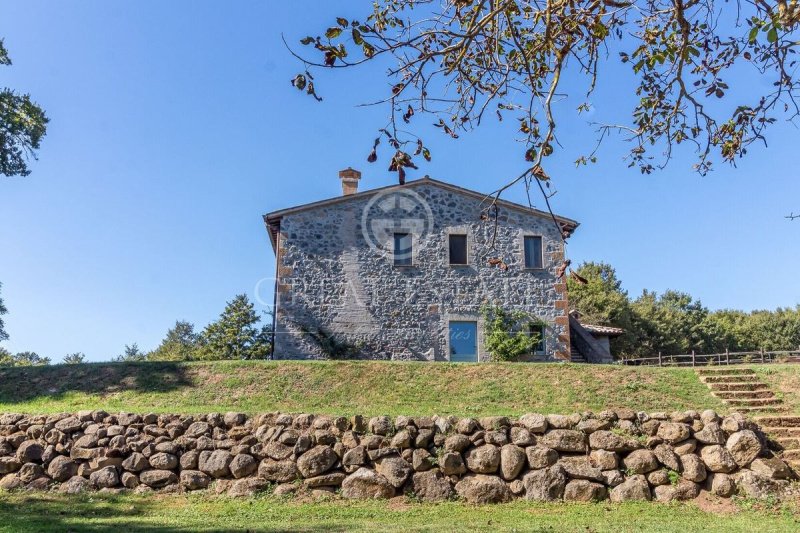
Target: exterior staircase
(741, 389)
(576, 356)
(784, 433)
(744, 392)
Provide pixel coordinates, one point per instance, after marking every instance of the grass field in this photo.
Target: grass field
(345, 388)
(784, 380)
(21, 513)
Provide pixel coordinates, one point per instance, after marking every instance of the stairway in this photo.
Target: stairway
(741, 389)
(576, 356)
(784, 432)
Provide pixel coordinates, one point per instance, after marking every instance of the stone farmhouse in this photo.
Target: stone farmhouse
(401, 272)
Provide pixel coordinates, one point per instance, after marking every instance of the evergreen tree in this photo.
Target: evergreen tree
(76, 358)
(236, 334)
(180, 344)
(132, 354)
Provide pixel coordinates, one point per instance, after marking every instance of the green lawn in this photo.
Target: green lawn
(345, 388)
(784, 380)
(21, 512)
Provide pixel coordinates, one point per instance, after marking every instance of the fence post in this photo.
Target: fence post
(727, 357)
(693, 359)
(660, 362)
(762, 355)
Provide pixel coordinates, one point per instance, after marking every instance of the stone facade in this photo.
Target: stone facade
(617, 455)
(338, 283)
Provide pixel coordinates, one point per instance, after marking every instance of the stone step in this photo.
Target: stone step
(725, 370)
(778, 421)
(726, 387)
(730, 379)
(791, 455)
(753, 402)
(762, 409)
(741, 395)
(780, 433)
(789, 443)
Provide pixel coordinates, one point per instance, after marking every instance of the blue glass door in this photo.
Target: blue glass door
(464, 342)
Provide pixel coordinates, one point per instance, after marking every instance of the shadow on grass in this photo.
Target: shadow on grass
(22, 384)
(86, 513)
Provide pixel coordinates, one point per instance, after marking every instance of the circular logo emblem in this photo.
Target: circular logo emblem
(393, 220)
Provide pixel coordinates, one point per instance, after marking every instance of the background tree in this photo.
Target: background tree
(132, 354)
(22, 126)
(456, 62)
(180, 344)
(76, 358)
(22, 359)
(236, 334)
(3, 311)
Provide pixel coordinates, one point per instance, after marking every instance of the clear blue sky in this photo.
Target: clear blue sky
(174, 128)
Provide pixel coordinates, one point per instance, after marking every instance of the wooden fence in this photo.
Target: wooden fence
(714, 359)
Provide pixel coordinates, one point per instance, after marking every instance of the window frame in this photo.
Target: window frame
(525, 238)
(450, 236)
(542, 341)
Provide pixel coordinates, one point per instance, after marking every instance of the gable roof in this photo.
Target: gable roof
(272, 220)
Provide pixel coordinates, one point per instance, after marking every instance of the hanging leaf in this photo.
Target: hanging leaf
(357, 38)
(373, 156)
(307, 40)
(342, 22)
(299, 81)
(333, 33)
(426, 154)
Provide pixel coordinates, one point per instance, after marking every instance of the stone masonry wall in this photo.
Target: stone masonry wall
(617, 455)
(330, 277)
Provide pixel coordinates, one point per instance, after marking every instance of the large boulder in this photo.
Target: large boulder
(75, 485)
(163, 461)
(512, 461)
(710, 434)
(30, 451)
(674, 432)
(480, 488)
(278, 471)
(244, 488)
(9, 465)
(666, 456)
(754, 485)
(607, 440)
(432, 486)
(157, 479)
(534, 422)
(582, 490)
(640, 462)
(545, 484)
(451, 463)
(633, 488)
(366, 484)
(720, 485)
(693, 468)
(718, 459)
(683, 490)
(105, 478)
(316, 461)
(395, 469)
(564, 440)
(581, 467)
(483, 459)
(381, 425)
(771, 467)
(136, 462)
(541, 456)
(194, 480)
(62, 468)
(744, 446)
(215, 463)
(243, 465)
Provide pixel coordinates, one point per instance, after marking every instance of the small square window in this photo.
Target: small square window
(458, 249)
(533, 252)
(403, 249)
(538, 331)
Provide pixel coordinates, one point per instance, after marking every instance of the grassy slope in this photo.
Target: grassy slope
(22, 513)
(784, 380)
(345, 388)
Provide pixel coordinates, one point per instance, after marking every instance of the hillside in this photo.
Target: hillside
(364, 387)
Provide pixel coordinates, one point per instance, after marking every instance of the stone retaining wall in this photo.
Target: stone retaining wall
(619, 455)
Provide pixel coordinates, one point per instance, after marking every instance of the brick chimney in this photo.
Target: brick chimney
(349, 179)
